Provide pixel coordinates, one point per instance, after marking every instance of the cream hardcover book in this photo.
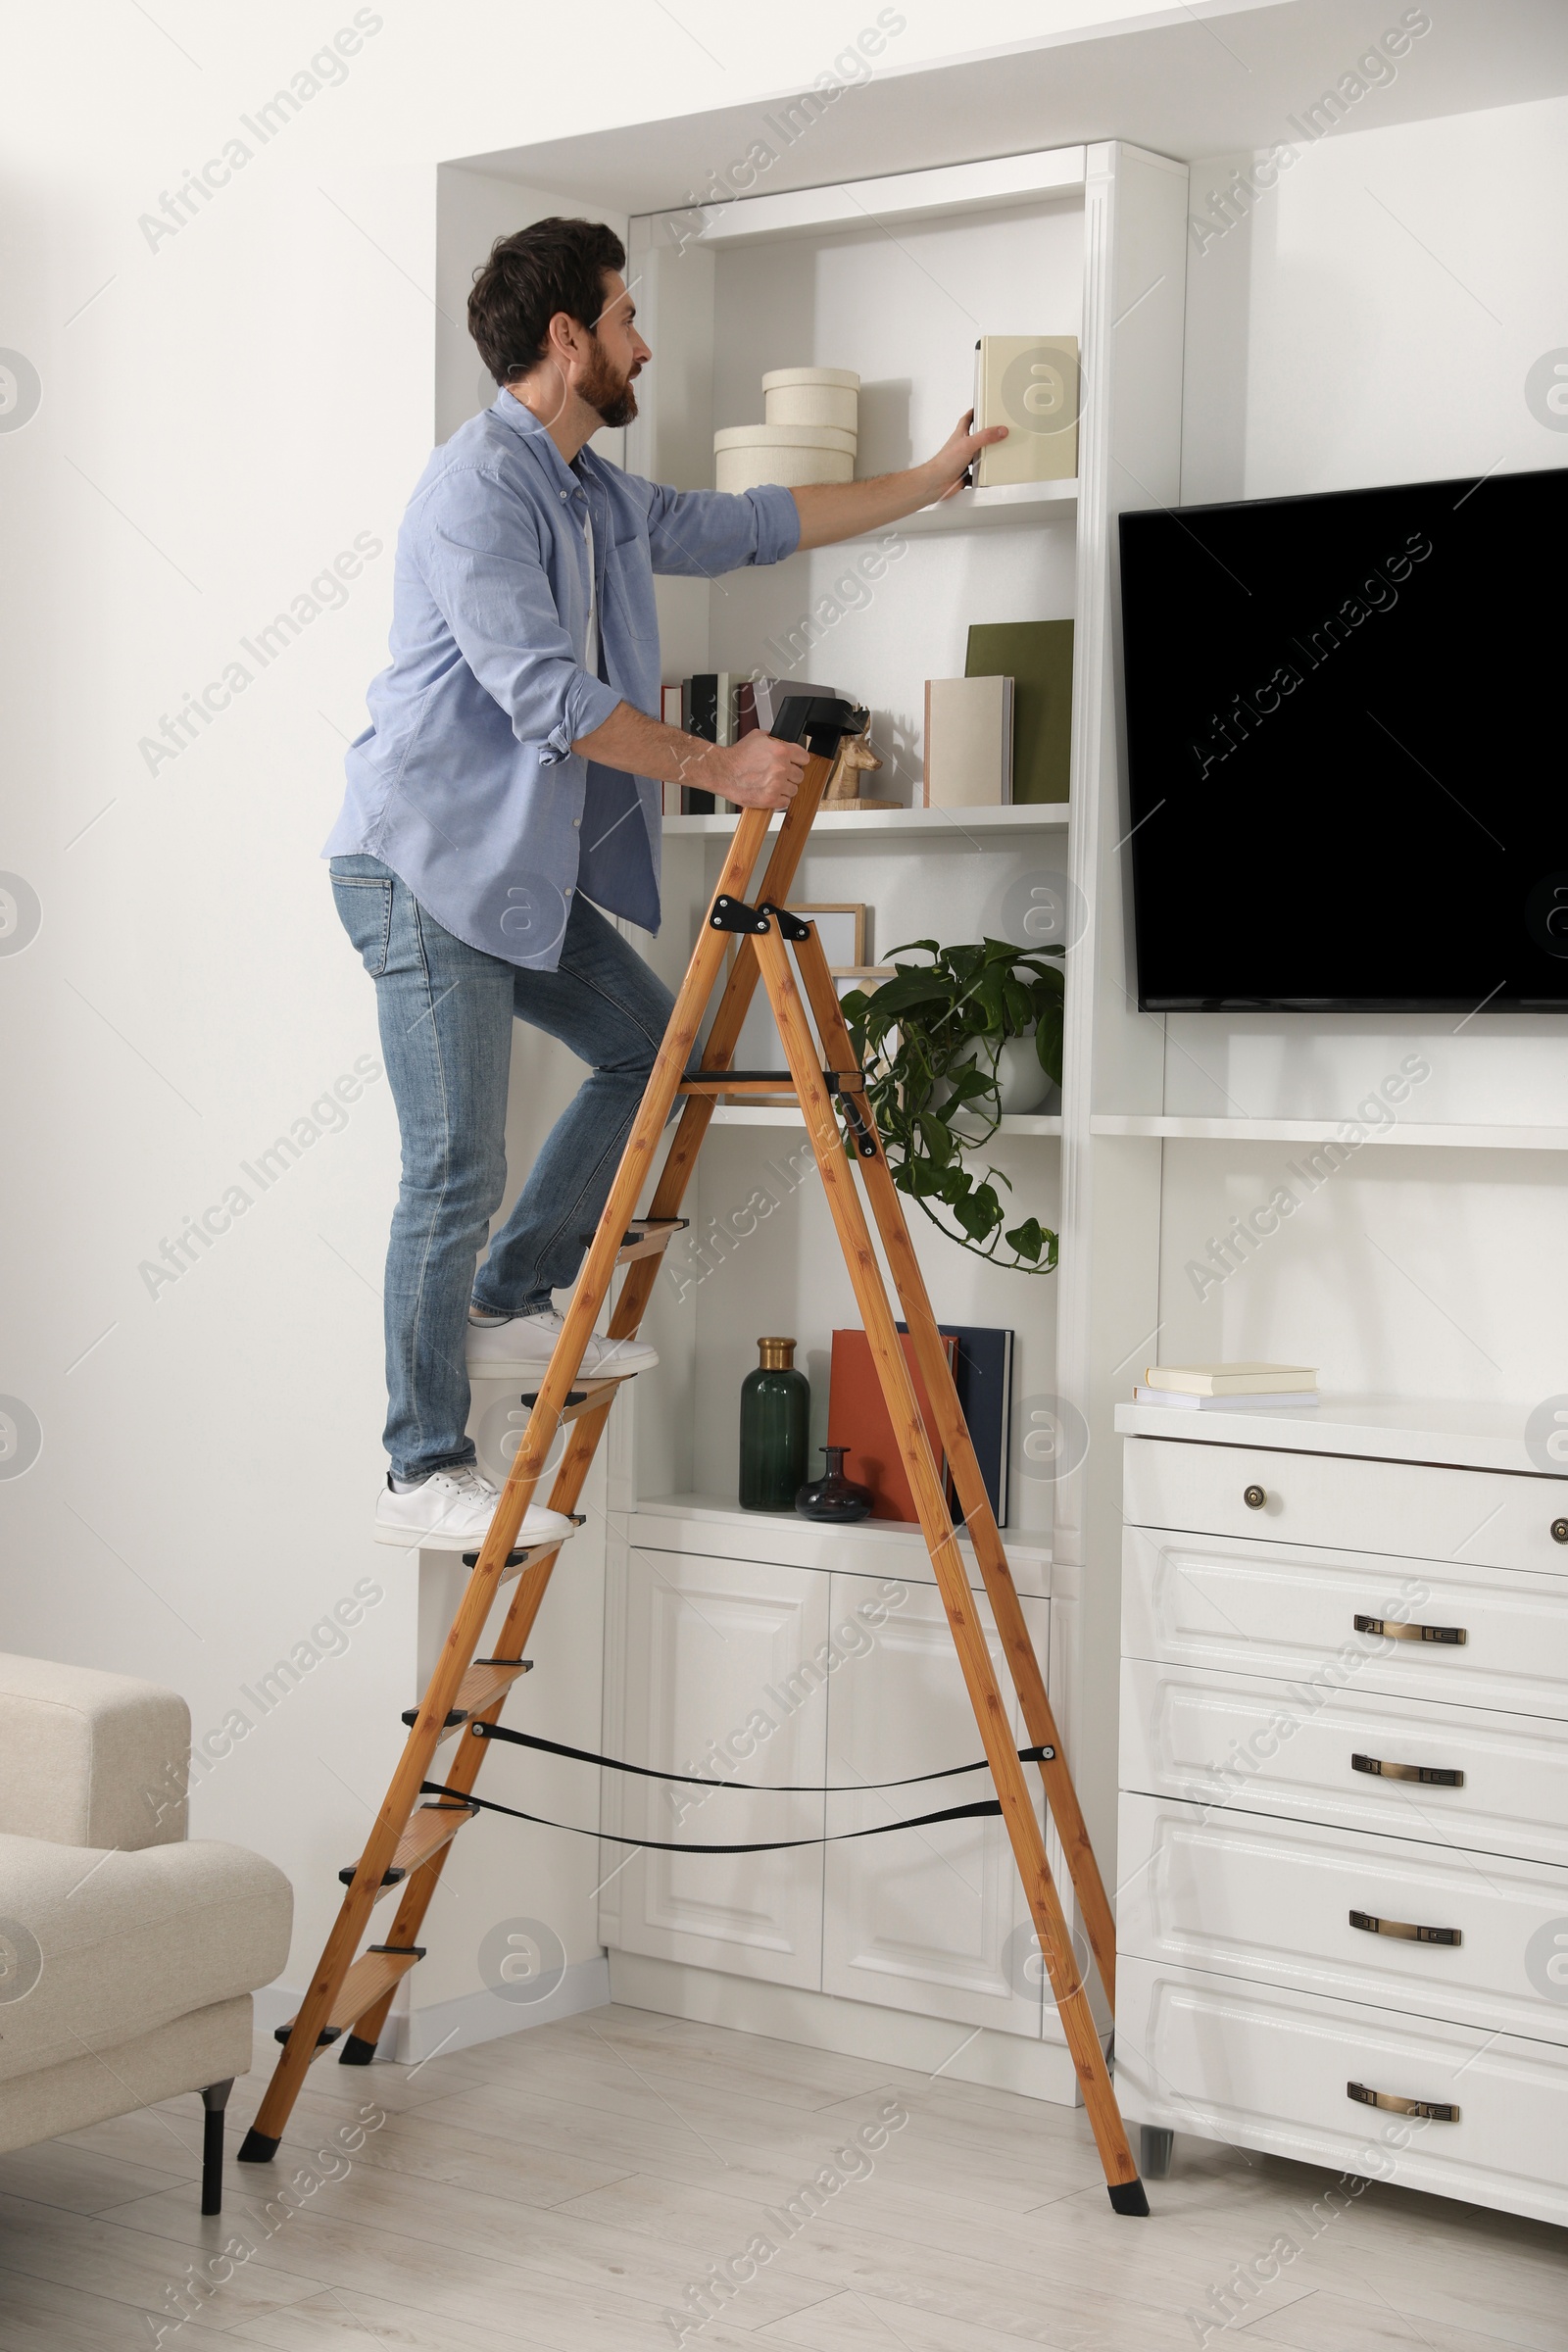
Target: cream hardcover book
(968, 742)
(1030, 383)
(1232, 1379)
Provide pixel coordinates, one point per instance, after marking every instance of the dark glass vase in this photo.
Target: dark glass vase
(775, 1417)
(833, 1496)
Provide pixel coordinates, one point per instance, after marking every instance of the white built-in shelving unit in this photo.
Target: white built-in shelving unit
(707, 1605)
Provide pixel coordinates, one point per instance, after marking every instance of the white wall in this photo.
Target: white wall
(1373, 320)
(224, 409)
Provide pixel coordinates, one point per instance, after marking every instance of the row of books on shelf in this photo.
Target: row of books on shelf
(716, 706)
(999, 735)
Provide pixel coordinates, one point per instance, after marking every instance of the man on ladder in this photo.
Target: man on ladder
(504, 792)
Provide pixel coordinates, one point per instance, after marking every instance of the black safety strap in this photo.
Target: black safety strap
(986, 1809)
(697, 1780)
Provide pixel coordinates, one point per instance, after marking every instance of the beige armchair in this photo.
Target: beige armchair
(128, 1955)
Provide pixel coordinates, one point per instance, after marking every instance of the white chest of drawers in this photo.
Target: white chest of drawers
(1343, 1907)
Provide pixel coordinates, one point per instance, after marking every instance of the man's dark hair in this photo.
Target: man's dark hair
(549, 267)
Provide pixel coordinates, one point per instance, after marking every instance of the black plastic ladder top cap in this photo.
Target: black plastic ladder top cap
(820, 722)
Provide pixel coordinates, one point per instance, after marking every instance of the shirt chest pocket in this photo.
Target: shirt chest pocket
(630, 615)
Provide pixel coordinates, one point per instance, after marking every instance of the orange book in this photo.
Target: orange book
(859, 1420)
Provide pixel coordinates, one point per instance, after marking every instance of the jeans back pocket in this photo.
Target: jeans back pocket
(365, 906)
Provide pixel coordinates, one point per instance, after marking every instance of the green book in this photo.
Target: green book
(1037, 655)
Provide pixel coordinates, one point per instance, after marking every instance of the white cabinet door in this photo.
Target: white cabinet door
(928, 1920)
(711, 1669)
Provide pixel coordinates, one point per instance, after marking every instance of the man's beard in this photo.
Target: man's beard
(602, 389)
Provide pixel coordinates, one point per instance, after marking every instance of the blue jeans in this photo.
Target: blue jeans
(446, 1011)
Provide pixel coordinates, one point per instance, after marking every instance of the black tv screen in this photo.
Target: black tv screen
(1345, 750)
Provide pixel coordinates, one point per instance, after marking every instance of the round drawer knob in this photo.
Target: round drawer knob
(1559, 1531)
(1254, 1499)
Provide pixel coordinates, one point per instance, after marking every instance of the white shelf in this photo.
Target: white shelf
(941, 191)
(955, 824)
(1467, 1137)
(785, 1114)
(868, 1547)
(1010, 504)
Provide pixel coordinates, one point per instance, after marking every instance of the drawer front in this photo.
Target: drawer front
(1295, 1904)
(1251, 1607)
(1414, 1510)
(1240, 1742)
(1267, 2069)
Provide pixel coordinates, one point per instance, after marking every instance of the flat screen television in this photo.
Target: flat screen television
(1345, 750)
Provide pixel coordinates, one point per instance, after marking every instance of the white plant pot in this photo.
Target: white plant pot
(1021, 1087)
(1022, 1084)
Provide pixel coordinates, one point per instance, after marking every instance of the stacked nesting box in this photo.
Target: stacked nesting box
(809, 433)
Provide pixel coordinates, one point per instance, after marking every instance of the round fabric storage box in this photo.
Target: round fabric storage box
(812, 396)
(745, 456)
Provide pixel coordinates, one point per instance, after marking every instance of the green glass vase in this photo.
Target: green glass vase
(775, 1418)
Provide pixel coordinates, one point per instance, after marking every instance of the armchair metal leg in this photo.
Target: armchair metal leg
(214, 2098)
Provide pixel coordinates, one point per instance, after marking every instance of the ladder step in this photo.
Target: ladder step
(373, 1974)
(430, 1828)
(586, 1399)
(644, 1236)
(766, 1082)
(480, 1687)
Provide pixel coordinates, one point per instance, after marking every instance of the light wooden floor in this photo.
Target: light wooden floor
(564, 2187)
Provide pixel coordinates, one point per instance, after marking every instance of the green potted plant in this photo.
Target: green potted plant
(934, 1043)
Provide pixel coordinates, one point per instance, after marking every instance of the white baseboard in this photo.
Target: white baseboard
(825, 2021)
(460, 2024)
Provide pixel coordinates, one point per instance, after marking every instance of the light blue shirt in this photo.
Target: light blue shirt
(466, 783)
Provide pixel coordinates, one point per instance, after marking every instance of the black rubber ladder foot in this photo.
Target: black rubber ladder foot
(1127, 2196)
(356, 2051)
(257, 2148)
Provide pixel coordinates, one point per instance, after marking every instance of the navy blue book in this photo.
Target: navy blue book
(982, 1374)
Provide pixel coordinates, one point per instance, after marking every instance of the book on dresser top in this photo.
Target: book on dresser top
(1196, 1387)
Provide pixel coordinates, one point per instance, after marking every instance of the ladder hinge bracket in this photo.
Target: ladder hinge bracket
(733, 914)
(790, 925)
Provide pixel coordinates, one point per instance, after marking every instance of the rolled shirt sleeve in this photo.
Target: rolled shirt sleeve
(703, 531)
(483, 567)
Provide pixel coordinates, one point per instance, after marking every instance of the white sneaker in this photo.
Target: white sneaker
(522, 1349)
(452, 1511)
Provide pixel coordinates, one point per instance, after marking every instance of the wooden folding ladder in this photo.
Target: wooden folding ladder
(351, 1995)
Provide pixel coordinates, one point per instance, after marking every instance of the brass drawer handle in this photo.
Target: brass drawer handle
(1453, 1636)
(1370, 1925)
(1254, 1498)
(1431, 1775)
(1430, 2111)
